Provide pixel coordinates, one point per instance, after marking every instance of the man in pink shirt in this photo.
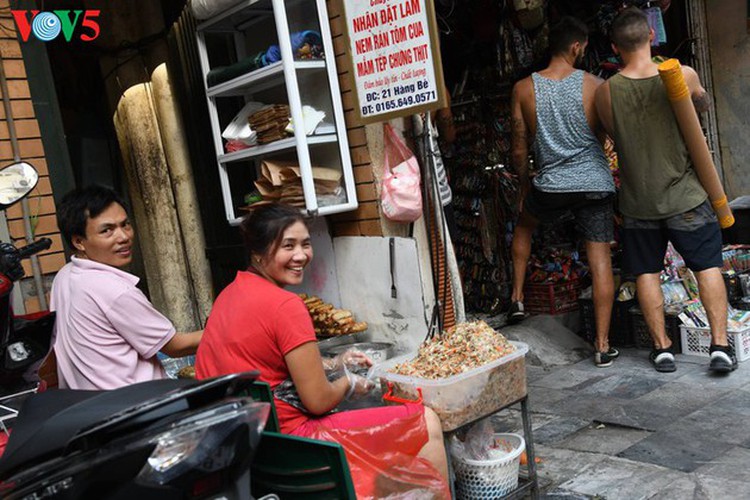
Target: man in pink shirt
(107, 333)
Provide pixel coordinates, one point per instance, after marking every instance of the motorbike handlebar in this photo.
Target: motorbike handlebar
(35, 247)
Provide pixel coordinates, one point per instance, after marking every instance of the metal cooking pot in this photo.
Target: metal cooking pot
(377, 351)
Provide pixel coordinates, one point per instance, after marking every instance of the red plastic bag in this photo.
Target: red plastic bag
(383, 460)
(400, 196)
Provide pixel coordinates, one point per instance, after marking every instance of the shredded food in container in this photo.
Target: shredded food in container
(459, 349)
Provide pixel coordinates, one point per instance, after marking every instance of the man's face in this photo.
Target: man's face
(109, 237)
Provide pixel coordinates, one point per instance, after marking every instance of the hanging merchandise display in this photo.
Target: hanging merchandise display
(656, 22)
(482, 65)
(530, 13)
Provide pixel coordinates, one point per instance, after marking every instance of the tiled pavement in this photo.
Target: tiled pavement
(628, 432)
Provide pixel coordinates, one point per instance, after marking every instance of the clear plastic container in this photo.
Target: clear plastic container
(462, 398)
(173, 365)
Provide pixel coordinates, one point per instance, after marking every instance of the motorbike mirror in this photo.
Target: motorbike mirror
(16, 181)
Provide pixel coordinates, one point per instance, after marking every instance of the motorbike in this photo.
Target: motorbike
(24, 340)
(164, 439)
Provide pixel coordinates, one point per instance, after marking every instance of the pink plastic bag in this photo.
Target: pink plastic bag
(400, 196)
(383, 460)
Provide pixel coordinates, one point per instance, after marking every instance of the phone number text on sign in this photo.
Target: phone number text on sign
(390, 46)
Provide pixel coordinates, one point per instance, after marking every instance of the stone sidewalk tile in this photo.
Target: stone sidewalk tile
(737, 400)
(587, 407)
(699, 487)
(558, 429)
(601, 438)
(721, 424)
(732, 465)
(613, 478)
(542, 400)
(534, 373)
(661, 407)
(701, 377)
(623, 386)
(675, 449)
(569, 378)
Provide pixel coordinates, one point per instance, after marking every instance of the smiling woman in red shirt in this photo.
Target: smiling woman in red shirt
(257, 325)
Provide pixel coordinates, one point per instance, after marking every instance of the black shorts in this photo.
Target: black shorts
(593, 211)
(695, 234)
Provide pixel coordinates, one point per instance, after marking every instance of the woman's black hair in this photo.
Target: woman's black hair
(80, 205)
(263, 228)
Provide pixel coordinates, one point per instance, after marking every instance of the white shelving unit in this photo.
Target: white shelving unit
(250, 27)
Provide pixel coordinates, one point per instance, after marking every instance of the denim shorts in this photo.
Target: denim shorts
(593, 211)
(695, 234)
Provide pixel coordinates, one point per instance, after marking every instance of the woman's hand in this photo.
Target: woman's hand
(319, 395)
(358, 386)
(351, 358)
(354, 358)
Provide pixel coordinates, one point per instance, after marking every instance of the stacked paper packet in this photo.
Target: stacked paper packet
(270, 122)
(281, 181)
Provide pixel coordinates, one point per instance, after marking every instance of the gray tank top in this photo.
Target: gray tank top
(568, 155)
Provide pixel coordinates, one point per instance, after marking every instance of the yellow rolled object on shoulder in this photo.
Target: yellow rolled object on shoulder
(674, 81)
(723, 212)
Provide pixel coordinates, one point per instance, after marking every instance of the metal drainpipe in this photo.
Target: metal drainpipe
(36, 271)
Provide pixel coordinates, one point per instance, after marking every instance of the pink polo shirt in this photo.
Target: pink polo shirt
(107, 333)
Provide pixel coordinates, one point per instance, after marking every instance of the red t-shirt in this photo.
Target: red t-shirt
(252, 326)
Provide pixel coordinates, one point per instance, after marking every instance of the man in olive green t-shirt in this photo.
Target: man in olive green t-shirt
(661, 197)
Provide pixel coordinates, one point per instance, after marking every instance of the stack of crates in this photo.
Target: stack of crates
(641, 336)
(620, 331)
(551, 298)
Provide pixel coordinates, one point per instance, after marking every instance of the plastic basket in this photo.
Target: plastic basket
(697, 341)
(642, 337)
(551, 298)
(487, 479)
(620, 331)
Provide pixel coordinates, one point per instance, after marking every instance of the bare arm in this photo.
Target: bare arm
(698, 94)
(316, 392)
(519, 136)
(593, 83)
(604, 108)
(182, 344)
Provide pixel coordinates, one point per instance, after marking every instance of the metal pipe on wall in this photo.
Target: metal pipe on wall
(29, 233)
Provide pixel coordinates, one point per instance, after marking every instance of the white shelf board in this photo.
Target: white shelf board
(274, 147)
(228, 20)
(260, 79)
(239, 16)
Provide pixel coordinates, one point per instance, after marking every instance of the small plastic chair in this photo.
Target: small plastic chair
(300, 468)
(261, 391)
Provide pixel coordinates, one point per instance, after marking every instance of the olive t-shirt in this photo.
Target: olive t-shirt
(657, 176)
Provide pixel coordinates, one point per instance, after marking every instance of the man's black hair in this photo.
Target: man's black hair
(80, 205)
(565, 33)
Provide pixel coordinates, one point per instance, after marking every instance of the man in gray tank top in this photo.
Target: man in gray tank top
(661, 197)
(554, 111)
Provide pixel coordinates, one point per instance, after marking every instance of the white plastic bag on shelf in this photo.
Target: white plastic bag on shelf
(203, 9)
(239, 128)
(312, 118)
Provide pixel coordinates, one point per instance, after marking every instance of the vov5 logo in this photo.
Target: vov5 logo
(47, 26)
